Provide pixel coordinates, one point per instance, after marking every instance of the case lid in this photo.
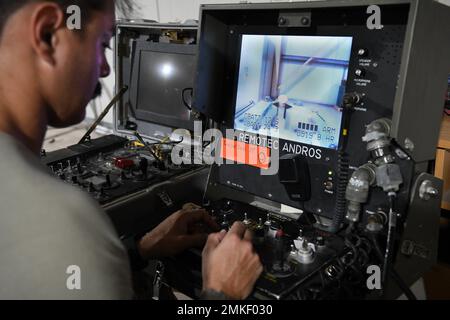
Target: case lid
(157, 61)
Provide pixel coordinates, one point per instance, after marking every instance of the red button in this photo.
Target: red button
(123, 163)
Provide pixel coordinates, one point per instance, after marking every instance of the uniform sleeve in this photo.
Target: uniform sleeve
(62, 249)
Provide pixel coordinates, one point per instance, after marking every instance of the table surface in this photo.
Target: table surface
(443, 161)
(444, 140)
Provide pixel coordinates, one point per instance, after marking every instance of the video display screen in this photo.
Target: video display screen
(162, 78)
(291, 87)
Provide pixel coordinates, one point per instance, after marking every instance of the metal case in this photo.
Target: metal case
(422, 78)
(126, 31)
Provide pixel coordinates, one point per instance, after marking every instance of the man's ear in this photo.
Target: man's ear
(46, 19)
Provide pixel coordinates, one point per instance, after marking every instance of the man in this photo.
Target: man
(50, 232)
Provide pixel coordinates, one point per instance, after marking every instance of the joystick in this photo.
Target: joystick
(281, 267)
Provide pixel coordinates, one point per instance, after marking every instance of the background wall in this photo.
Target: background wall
(162, 11)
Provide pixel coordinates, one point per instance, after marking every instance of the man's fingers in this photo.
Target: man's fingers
(248, 235)
(238, 229)
(195, 240)
(210, 222)
(214, 240)
(221, 235)
(194, 214)
(200, 215)
(191, 206)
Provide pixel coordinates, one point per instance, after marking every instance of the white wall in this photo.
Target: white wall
(167, 11)
(162, 11)
(177, 10)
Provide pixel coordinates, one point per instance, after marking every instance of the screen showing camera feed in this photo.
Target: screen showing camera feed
(291, 87)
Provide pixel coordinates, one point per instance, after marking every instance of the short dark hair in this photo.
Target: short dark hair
(9, 7)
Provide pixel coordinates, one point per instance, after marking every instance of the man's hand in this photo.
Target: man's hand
(184, 229)
(230, 265)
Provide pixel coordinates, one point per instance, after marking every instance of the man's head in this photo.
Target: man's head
(59, 66)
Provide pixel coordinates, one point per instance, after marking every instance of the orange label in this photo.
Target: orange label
(245, 153)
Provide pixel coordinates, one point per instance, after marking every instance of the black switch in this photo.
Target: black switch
(362, 52)
(294, 175)
(143, 166)
(108, 181)
(360, 72)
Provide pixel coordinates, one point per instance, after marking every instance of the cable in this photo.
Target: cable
(390, 241)
(304, 215)
(116, 99)
(141, 140)
(183, 93)
(165, 143)
(341, 201)
(402, 285)
(394, 275)
(133, 52)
